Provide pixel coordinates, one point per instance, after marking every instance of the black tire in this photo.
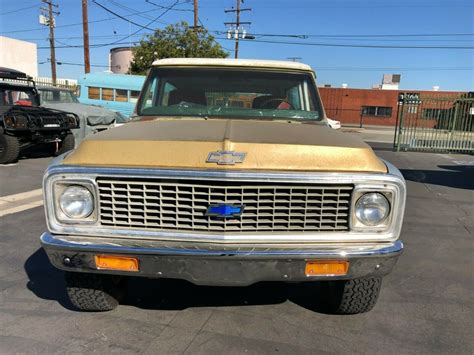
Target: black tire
(66, 145)
(356, 296)
(9, 148)
(94, 293)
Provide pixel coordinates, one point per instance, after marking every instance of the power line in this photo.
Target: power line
(277, 42)
(348, 45)
(357, 36)
(59, 62)
(223, 32)
(80, 23)
(345, 4)
(79, 37)
(129, 9)
(324, 68)
(169, 7)
(141, 27)
(18, 10)
(120, 16)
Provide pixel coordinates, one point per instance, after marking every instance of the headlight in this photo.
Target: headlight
(71, 121)
(372, 209)
(76, 202)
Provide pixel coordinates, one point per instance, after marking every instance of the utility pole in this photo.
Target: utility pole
(85, 30)
(235, 26)
(196, 17)
(51, 23)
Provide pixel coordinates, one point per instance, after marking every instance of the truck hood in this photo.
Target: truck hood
(187, 143)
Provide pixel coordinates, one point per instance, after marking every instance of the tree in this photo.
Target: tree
(175, 41)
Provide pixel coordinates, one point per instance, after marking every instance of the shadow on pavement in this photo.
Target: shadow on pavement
(457, 176)
(167, 294)
(36, 152)
(47, 282)
(44, 280)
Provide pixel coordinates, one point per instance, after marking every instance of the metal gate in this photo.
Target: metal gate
(435, 124)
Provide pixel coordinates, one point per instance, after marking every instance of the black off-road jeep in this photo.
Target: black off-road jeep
(24, 123)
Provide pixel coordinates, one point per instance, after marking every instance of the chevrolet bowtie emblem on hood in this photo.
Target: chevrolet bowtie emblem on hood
(225, 157)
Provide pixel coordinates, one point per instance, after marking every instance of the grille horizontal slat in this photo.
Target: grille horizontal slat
(181, 205)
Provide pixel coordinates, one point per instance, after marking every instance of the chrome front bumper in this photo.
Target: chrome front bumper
(221, 265)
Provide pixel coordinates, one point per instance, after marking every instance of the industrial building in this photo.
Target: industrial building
(375, 106)
(19, 55)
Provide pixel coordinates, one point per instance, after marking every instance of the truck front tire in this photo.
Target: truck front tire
(9, 148)
(94, 293)
(355, 296)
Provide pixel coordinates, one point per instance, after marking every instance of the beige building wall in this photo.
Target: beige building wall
(19, 55)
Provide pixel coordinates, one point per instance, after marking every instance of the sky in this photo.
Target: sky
(326, 23)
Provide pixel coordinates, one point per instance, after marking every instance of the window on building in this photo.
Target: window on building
(93, 93)
(121, 95)
(377, 111)
(107, 94)
(436, 113)
(134, 95)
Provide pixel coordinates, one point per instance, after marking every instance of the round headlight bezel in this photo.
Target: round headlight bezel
(370, 200)
(82, 193)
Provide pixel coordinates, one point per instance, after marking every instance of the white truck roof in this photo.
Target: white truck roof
(278, 64)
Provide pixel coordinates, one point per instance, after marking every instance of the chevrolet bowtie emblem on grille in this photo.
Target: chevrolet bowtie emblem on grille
(226, 157)
(225, 211)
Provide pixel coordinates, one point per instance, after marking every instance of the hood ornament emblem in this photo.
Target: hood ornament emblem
(226, 157)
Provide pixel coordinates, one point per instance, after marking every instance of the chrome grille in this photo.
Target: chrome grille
(181, 205)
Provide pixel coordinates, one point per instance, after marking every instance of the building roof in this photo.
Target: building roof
(279, 64)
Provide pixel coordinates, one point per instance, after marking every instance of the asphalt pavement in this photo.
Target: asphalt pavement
(426, 304)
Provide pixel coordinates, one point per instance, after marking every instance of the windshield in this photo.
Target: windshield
(17, 95)
(229, 93)
(57, 96)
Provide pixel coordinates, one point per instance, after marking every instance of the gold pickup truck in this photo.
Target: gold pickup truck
(228, 175)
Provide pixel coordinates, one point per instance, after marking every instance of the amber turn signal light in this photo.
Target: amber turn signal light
(113, 262)
(326, 267)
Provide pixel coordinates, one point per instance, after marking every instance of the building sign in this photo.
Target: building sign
(409, 98)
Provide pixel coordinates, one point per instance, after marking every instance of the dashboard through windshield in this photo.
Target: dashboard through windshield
(229, 93)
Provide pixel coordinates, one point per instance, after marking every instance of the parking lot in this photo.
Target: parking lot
(426, 304)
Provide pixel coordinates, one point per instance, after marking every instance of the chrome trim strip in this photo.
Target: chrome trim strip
(122, 246)
(392, 179)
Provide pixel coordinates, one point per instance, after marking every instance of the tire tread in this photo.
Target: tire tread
(89, 292)
(12, 149)
(359, 295)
